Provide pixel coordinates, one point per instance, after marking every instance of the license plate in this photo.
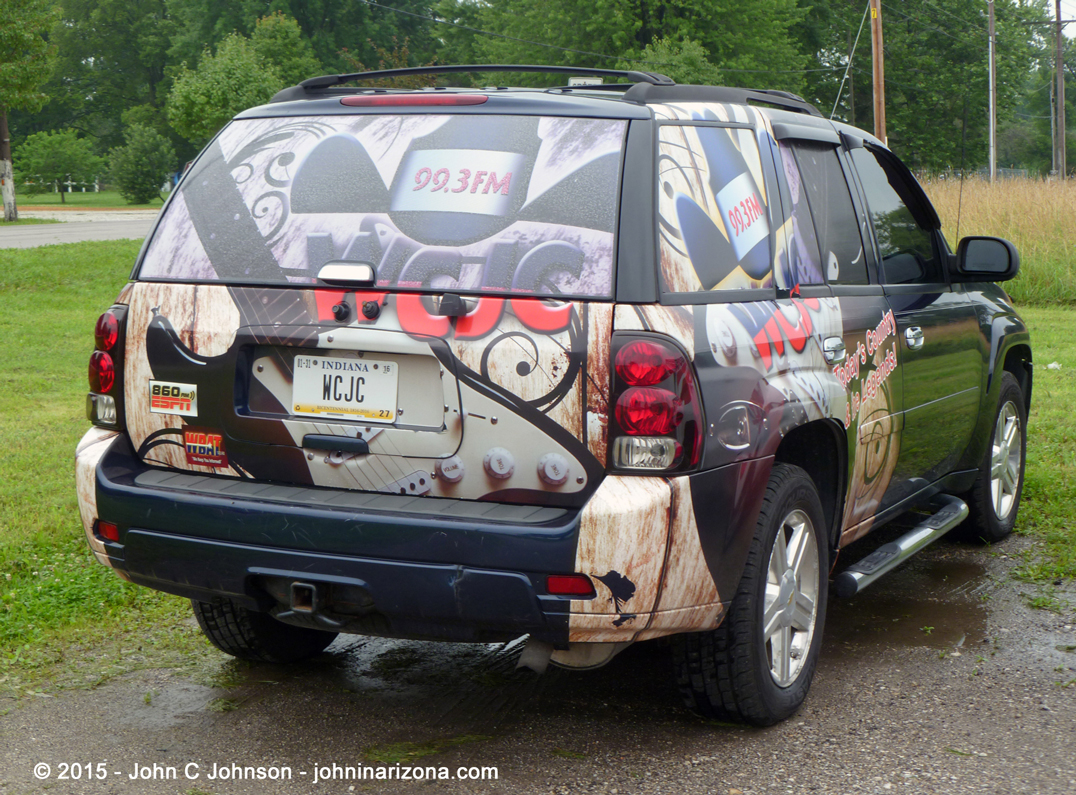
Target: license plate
(332, 386)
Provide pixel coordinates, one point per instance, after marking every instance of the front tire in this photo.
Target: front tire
(995, 498)
(758, 664)
(250, 635)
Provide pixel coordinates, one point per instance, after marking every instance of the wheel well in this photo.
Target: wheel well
(1018, 362)
(820, 448)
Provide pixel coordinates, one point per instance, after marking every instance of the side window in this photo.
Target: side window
(800, 261)
(713, 209)
(905, 246)
(843, 260)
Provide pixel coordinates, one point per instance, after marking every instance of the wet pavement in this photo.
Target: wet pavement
(937, 679)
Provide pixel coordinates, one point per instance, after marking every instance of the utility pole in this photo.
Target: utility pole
(1062, 169)
(1053, 129)
(879, 69)
(1057, 93)
(993, 98)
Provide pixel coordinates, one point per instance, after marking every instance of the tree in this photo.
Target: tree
(399, 57)
(233, 79)
(112, 55)
(25, 63)
(329, 25)
(58, 157)
(684, 62)
(751, 43)
(141, 167)
(242, 73)
(935, 72)
(278, 40)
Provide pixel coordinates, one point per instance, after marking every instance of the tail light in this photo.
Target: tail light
(656, 422)
(104, 403)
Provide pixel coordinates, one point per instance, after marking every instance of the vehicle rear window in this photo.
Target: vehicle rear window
(474, 203)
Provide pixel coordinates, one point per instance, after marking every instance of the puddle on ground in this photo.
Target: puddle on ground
(938, 599)
(474, 687)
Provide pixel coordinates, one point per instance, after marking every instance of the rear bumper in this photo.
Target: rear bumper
(380, 564)
(424, 567)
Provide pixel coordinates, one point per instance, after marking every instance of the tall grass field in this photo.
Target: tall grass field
(1039, 216)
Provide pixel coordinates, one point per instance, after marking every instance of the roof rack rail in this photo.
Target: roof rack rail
(315, 84)
(644, 94)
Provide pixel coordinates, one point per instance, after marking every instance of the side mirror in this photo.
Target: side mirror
(985, 259)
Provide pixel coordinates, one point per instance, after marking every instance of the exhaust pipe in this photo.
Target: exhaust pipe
(950, 511)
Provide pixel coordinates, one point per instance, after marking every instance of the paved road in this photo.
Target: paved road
(77, 226)
(938, 679)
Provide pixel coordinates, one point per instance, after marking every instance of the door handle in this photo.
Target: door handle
(833, 350)
(913, 335)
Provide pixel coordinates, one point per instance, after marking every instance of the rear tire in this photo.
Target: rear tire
(758, 664)
(995, 498)
(250, 635)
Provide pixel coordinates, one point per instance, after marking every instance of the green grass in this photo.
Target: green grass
(66, 619)
(106, 199)
(27, 222)
(1048, 504)
(52, 592)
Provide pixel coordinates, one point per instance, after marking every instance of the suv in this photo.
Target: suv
(596, 364)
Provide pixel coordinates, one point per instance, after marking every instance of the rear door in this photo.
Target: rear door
(242, 362)
(864, 360)
(937, 328)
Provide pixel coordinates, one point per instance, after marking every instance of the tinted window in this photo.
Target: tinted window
(905, 247)
(843, 261)
(713, 209)
(800, 261)
(500, 204)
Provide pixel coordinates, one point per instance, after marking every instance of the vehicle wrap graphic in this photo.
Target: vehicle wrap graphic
(713, 202)
(91, 448)
(512, 375)
(513, 204)
(508, 402)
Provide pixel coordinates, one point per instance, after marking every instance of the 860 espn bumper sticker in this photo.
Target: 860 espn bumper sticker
(166, 397)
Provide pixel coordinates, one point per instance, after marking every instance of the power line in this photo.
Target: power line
(961, 20)
(930, 27)
(851, 56)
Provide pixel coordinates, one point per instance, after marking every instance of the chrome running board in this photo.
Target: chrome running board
(950, 511)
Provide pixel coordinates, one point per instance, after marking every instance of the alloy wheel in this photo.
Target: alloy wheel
(790, 609)
(1005, 461)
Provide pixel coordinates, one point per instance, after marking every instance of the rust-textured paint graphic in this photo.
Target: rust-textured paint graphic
(205, 319)
(513, 372)
(677, 322)
(93, 445)
(639, 543)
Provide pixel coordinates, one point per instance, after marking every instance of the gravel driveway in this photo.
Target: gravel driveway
(938, 679)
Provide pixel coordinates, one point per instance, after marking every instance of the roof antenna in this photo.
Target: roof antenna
(849, 67)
